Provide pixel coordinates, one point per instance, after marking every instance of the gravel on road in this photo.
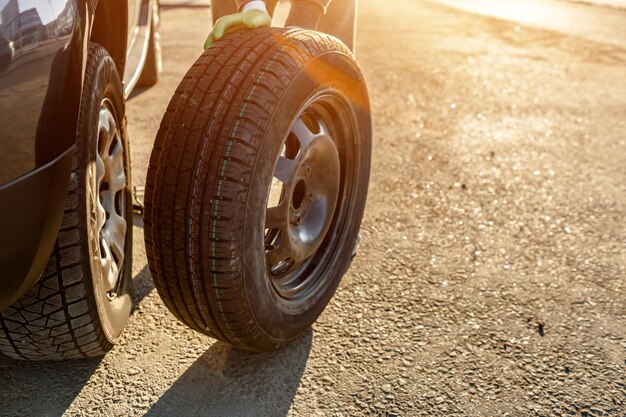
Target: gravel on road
(491, 275)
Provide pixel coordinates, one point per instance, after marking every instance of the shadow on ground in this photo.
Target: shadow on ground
(227, 382)
(142, 286)
(38, 389)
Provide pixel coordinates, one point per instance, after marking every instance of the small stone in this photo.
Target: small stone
(361, 404)
(133, 371)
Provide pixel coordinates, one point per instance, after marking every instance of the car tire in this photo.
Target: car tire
(257, 185)
(154, 59)
(82, 301)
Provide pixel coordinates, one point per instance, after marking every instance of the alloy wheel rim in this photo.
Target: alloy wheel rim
(156, 27)
(110, 202)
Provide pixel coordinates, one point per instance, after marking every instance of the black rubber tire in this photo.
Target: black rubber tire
(154, 61)
(68, 314)
(207, 186)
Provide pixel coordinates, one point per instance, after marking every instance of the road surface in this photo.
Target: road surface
(490, 280)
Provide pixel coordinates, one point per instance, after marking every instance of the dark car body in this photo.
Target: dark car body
(6, 53)
(44, 46)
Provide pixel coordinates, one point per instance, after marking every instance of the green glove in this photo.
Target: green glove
(250, 19)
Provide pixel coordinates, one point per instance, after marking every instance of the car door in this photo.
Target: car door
(36, 47)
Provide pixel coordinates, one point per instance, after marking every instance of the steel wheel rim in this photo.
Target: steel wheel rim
(314, 152)
(110, 204)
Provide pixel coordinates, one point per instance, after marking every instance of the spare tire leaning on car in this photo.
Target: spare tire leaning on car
(82, 301)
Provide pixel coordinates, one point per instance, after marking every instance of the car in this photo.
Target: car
(66, 69)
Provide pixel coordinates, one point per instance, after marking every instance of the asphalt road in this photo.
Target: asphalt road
(491, 276)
